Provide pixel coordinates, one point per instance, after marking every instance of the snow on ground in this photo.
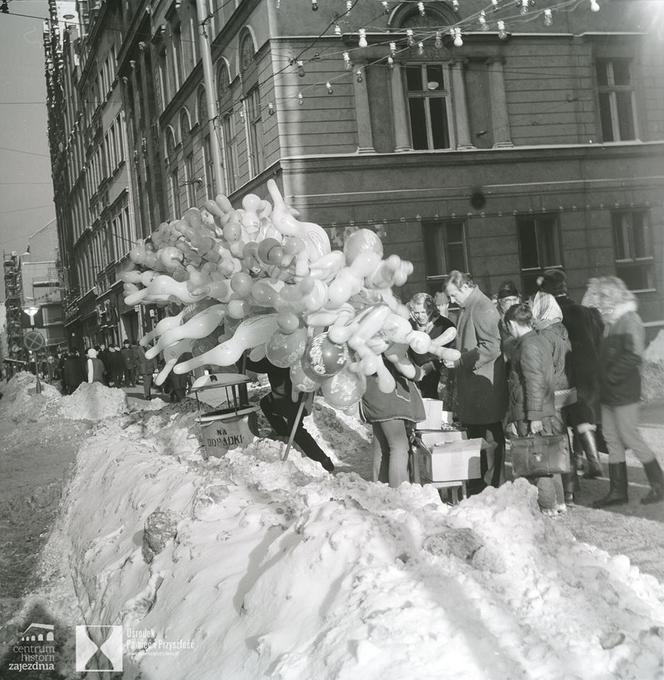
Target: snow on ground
(249, 567)
(259, 568)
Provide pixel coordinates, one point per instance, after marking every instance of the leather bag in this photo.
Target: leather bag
(540, 455)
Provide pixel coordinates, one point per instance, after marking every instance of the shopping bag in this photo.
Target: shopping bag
(540, 455)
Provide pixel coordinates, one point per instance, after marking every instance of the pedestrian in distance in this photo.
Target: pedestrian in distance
(95, 367)
(129, 363)
(146, 368)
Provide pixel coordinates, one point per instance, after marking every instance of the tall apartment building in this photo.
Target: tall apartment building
(494, 137)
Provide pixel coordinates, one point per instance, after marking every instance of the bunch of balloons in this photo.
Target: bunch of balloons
(256, 278)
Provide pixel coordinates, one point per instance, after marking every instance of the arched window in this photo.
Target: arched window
(201, 108)
(247, 50)
(223, 84)
(185, 125)
(436, 15)
(170, 144)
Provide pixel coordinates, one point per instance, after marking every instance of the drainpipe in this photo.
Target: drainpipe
(210, 97)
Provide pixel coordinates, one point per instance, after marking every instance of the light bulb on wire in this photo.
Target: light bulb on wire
(390, 63)
(300, 68)
(386, 7)
(548, 17)
(458, 40)
(393, 48)
(482, 20)
(328, 85)
(594, 6)
(455, 5)
(363, 37)
(524, 7)
(314, 5)
(337, 29)
(349, 5)
(438, 41)
(409, 37)
(358, 75)
(300, 98)
(347, 62)
(420, 8)
(270, 108)
(502, 32)
(420, 48)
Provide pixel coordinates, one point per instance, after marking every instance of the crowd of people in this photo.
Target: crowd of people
(545, 365)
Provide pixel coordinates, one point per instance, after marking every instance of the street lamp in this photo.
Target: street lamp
(31, 311)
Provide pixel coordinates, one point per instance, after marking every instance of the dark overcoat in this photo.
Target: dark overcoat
(480, 372)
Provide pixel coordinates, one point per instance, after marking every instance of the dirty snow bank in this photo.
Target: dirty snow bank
(653, 369)
(247, 567)
(93, 401)
(20, 401)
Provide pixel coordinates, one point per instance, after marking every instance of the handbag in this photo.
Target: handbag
(540, 455)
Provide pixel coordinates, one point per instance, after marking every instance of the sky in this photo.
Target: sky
(26, 190)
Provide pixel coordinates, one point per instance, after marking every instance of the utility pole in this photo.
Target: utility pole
(210, 96)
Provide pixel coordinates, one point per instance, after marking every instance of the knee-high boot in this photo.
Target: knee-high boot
(570, 482)
(617, 487)
(589, 444)
(656, 480)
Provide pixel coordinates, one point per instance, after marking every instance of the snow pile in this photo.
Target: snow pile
(248, 567)
(20, 400)
(155, 404)
(93, 401)
(653, 369)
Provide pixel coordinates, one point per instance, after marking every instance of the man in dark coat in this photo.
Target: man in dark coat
(129, 362)
(585, 328)
(480, 372)
(72, 372)
(146, 368)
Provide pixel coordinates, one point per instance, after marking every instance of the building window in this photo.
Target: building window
(633, 247)
(428, 101)
(616, 100)
(177, 58)
(190, 180)
(444, 245)
(207, 167)
(164, 79)
(175, 192)
(229, 149)
(539, 247)
(255, 130)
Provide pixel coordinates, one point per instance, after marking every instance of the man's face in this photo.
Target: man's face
(458, 295)
(505, 303)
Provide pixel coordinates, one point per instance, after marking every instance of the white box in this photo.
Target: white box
(432, 437)
(453, 461)
(436, 417)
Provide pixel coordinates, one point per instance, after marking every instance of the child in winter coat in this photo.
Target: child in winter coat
(532, 387)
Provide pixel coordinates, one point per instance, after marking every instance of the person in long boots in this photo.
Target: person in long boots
(585, 327)
(620, 389)
(281, 411)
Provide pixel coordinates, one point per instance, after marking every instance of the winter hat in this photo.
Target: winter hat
(92, 353)
(554, 282)
(507, 289)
